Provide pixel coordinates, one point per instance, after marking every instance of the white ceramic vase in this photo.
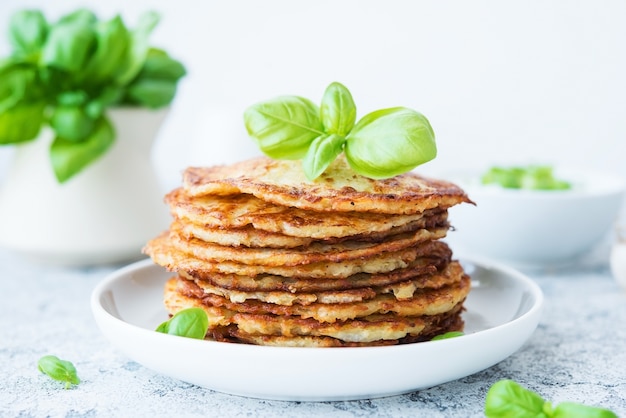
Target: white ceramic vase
(104, 214)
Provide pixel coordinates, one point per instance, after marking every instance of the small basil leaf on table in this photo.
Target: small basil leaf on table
(190, 323)
(284, 127)
(389, 142)
(507, 398)
(576, 410)
(58, 369)
(338, 111)
(322, 151)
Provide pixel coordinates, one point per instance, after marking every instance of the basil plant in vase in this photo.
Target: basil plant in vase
(81, 100)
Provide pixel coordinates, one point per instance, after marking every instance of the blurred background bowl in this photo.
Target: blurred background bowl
(536, 227)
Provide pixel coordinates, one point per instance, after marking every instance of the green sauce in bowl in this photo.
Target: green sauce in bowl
(532, 177)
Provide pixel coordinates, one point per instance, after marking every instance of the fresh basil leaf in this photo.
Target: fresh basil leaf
(576, 410)
(163, 327)
(69, 45)
(28, 30)
(69, 158)
(284, 127)
(151, 93)
(447, 335)
(507, 398)
(389, 142)
(109, 96)
(72, 98)
(72, 123)
(21, 123)
(17, 81)
(112, 42)
(80, 16)
(137, 48)
(338, 111)
(322, 151)
(159, 65)
(190, 323)
(58, 369)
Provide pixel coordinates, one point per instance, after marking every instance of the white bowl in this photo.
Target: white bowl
(502, 311)
(536, 227)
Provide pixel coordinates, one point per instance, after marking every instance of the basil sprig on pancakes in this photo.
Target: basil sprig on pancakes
(380, 145)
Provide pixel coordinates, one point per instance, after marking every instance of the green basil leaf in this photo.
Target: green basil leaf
(445, 336)
(69, 158)
(284, 127)
(190, 323)
(163, 327)
(69, 45)
(575, 410)
(322, 151)
(58, 369)
(159, 65)
(507, 398)
(72, 98)
(28, 30)
(21, 123)
(112, 42)
(17, 82)
(71, 123)
(338, 111)
(109, 96)
(151, 93)
(389, 142)
(137, 48)
(80, 16)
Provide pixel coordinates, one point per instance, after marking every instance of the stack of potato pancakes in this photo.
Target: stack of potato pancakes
(276, 259)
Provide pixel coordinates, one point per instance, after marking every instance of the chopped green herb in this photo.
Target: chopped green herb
(532, 177)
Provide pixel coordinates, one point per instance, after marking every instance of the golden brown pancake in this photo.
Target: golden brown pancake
(318, 252)
(263, 328)
(420, 269)
(238, 211)
(248, 236)
(339, 189)
(170, 256)
(401, 290)
(423, 302)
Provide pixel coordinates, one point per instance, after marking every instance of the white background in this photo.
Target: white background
(501, 81)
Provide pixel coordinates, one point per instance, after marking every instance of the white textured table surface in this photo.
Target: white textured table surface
(578, 353)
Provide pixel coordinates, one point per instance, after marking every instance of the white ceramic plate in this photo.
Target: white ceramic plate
(503, 310)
